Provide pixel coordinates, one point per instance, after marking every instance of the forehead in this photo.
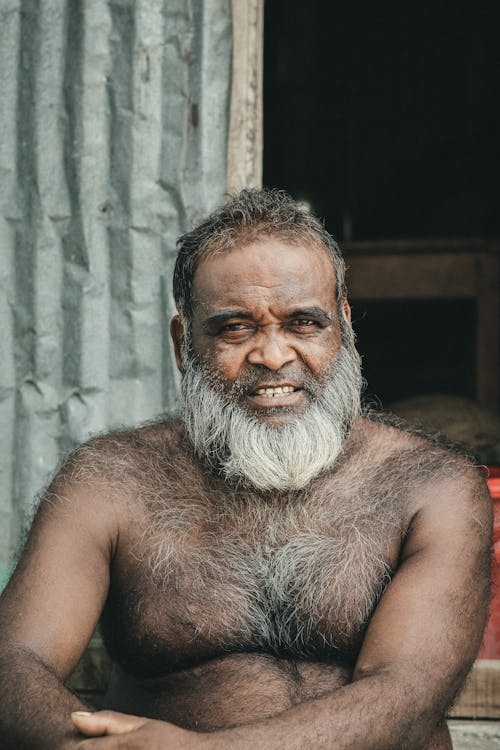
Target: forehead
(270, 271)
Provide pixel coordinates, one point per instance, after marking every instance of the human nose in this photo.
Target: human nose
(271, 350)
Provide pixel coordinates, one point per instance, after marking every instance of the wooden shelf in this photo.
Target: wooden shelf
(437, 269)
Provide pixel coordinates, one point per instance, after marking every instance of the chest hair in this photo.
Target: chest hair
(290, 573)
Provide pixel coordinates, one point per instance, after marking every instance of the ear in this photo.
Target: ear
(346, 310)
(177, 332)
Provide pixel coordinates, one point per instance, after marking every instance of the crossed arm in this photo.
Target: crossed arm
(417, 651)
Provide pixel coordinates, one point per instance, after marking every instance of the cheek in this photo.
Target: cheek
(227, 370)
(321, 356)
(225, 362)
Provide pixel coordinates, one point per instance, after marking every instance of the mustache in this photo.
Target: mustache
(297, 374)
(255, 375)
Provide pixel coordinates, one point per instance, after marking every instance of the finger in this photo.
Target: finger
(105, 722)
(98, 743)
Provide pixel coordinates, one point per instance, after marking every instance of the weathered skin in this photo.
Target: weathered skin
(345, 615)
(185, 650)
(182, 639)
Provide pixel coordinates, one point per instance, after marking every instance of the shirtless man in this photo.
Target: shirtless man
(271, 569)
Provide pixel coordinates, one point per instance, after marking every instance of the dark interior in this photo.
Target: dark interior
(416, 347)
(385, 118)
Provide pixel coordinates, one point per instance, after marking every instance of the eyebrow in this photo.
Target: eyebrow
(218, 319)
(312, 312)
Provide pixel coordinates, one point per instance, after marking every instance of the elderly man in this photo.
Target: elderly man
(271, 568)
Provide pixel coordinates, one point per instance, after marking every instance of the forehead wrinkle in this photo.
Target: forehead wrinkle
(246, 277)
(289, 294)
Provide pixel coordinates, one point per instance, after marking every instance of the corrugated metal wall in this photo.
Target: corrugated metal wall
(113, 137)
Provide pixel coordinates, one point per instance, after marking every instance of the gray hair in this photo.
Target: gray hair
(247, 217)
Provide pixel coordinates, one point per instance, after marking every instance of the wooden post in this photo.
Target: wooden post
(488, 330)
(244, 168)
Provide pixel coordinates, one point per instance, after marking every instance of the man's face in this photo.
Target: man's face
(265, 324)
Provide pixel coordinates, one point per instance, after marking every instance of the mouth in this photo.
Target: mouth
(274, 391)
(287, 397)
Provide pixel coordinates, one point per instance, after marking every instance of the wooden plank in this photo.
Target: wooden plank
(439, 276)
(244, 155)
(488, 331)
(414, 245)
(481, 696)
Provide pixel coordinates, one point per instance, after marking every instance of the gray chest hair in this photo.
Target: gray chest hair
(293, 579)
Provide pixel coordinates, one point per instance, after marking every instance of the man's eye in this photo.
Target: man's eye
(304, 323)
(234, 327)
(235, 330)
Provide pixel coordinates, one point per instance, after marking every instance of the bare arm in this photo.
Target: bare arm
(420, 644)
(48, 613)
(418, 649)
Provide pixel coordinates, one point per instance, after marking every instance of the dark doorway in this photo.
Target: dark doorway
(385, 118)
(434, 354)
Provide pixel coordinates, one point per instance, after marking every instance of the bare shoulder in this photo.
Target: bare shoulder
(79, 538)
(428, 471)
(103, 477)
(117, 458)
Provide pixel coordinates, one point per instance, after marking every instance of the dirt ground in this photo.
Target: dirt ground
(475, 735)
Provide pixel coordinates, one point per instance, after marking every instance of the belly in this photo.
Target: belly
(227, 691)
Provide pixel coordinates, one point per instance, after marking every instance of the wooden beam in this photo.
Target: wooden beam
(488, 330)
(417, 245)
(437, 276)
(244, 168)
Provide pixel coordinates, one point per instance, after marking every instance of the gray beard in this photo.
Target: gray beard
(248, 452)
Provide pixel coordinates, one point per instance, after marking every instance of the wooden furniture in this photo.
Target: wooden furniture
(437, 269)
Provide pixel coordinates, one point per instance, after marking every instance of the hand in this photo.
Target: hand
(110, 729)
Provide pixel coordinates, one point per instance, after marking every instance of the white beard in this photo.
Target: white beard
(247, 451)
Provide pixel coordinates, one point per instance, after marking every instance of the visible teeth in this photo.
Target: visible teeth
(278, 391)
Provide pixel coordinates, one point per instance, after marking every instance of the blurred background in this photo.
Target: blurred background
(384, 117)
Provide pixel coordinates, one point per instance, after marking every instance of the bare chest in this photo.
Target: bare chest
(297, 578)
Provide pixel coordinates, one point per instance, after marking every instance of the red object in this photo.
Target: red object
(490, 648)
